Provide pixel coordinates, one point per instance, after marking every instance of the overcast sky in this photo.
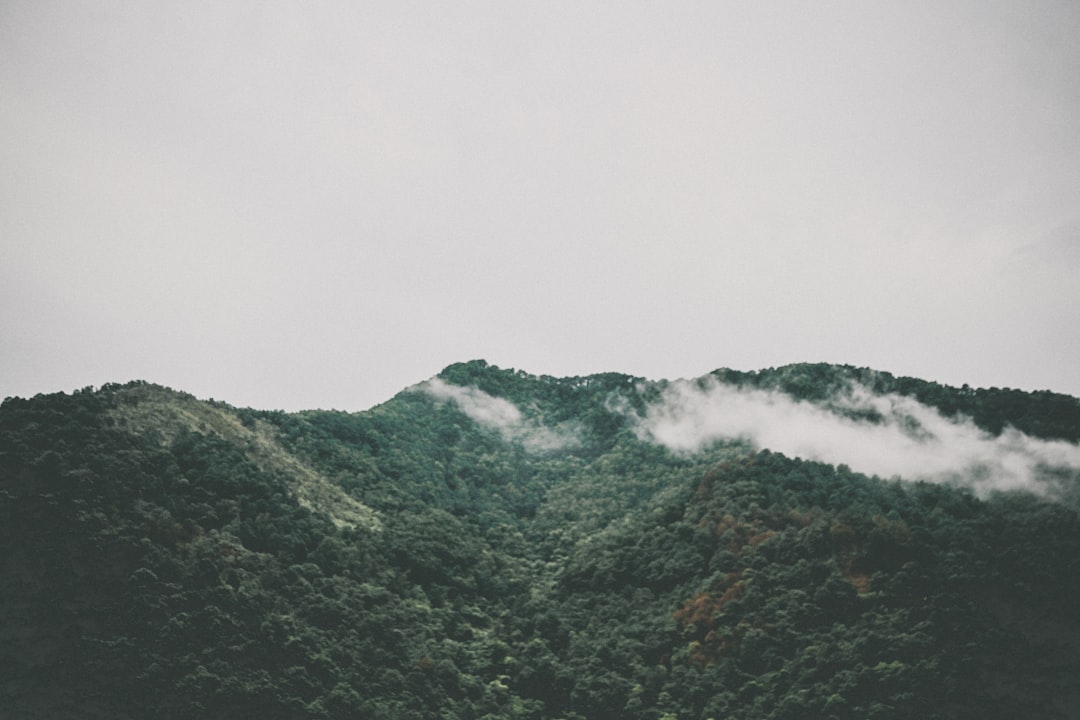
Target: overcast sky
(299, 205)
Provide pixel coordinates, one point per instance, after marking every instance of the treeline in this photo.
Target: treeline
(167, 557)
(1041, 414)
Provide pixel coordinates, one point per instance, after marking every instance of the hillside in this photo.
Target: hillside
(807, 541)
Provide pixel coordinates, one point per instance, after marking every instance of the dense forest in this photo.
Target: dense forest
(493, 544)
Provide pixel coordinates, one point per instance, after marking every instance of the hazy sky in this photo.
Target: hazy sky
(298, 205)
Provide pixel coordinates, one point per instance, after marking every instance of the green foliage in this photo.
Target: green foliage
(1041, 414)
(164, 557)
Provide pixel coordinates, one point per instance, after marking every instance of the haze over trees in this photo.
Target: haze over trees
(493, 544)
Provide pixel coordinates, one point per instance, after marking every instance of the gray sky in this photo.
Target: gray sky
(299, 205)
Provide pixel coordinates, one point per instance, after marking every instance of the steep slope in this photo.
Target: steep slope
(492, 544)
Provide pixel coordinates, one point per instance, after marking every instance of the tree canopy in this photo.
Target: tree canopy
(169, 557)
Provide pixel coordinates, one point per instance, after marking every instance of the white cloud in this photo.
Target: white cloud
(911, 440)
(502, 416)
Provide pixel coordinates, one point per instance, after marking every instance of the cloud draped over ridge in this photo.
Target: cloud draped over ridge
(911, 440)
(502, 416)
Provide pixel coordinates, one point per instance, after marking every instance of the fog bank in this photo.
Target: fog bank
(911, 440)
(501, 416)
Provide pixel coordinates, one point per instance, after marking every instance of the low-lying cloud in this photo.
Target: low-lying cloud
(502, 416)
(911, 440)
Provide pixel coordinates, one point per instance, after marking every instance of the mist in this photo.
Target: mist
(502, 416)
(910, 441)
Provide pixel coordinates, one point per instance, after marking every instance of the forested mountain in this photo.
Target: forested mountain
(812, 541)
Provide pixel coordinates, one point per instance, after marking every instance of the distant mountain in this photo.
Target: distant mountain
(811, 541)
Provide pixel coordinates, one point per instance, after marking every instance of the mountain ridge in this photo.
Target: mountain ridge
(431, 558)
